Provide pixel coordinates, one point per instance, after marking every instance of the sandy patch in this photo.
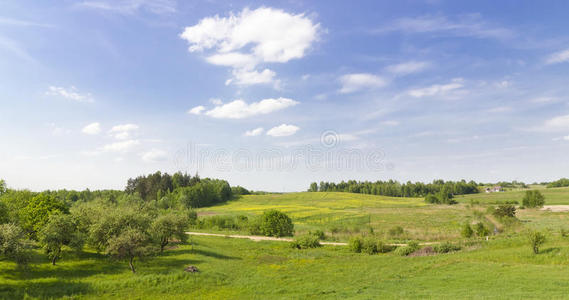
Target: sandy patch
(556, 208)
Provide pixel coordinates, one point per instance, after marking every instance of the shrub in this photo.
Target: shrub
(446, 248)
(355, 244)
(481, 230)
(384, 248)
(276, 223)
(14, 244)
(410, 248)
(432, 199)
(533, 198)
(505, 211)
(396, 231)
(318, 234)
(536, 239)
(305, 242)
(564, 232)
(369, 245)
(467, 231)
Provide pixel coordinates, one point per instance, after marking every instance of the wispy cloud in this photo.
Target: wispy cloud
(438, 89)
(92, 129)
(19, 22)
(14, 48)
(471, 25)
(254, 132)
(409, 67)
(124, 131)
(69, 93)
(558, 57)
(360, 81)
(131, 6)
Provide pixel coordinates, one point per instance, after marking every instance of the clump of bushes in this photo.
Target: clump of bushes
(396, 231)
(505, 211)
(533, 198)
(410, 248)
(536, 239)
(467, 231)
(369, 245)
(481, 230)
(446, 247)
(318, 234)
(276, 223)
(564, 232)
(305, 242)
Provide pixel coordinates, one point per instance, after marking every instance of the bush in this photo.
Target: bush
(505, 211)
(467, 231)
(355, 244)
(305, 242)
(276, 223)
(384, 248)
(318, 234)
(396, 231)
(481, 230)
(369, 245)
(536, 239)
(446, 248)
(410, 248)
(533, 198)
(564, 232)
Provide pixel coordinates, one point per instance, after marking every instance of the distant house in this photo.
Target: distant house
(495, 189)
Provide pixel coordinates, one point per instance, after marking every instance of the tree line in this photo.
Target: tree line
(394, 188)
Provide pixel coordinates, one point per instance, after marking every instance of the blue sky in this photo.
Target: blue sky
(274, 95)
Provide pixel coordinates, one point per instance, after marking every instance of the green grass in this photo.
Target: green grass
(502, 268)
(242, 269)
(554, 196)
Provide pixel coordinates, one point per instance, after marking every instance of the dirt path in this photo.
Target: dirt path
(257, 238)
(556, 208)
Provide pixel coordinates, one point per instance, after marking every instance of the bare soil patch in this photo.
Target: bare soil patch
(556, 208)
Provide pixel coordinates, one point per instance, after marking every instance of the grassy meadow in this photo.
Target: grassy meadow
(503, 267)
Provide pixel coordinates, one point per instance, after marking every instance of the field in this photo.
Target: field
(500, 268)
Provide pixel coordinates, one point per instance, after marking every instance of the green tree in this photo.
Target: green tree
(36, 213)
(276, 223)
(60, 231)
(3, 187)
(533, 198)
(130, 244)
(168, 226)
(14, 244)
(536, 239)
(467, 231)
(505, 210)
(313, 187)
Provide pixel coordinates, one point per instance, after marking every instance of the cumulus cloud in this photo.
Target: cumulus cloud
(437, 89)
(69, 93)
(239, 109)
(243, 41)
(283, 130)
(124, 131)
(408, 67)
(558, 57)
(92, 129)
(154, 155)
(359, 81)
(254, 132)
(197, 110)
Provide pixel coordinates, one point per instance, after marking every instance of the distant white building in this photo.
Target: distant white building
(495, 189)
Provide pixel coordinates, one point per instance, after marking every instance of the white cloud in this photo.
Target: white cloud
(499, 109)
(155, 155)
(437, 89)
(359, 81)
(283, 130)
(92, 129)
(558, 57)
(239, 109)
(197, 110)
(503, 84)
(70, 93)
(557, 123)
(215, 101)
(132, 6)
(544, 100)
(18, 22)
(408, 67)
(470, 25)
(254, 132)
(243, 41)
(124, 131)
(390, 123)
(123, 146)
